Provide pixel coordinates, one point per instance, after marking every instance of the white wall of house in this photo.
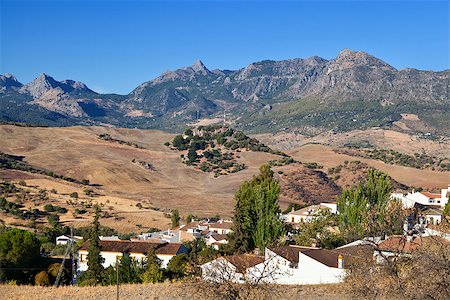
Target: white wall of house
(221, 270)
(410, 199)
(110, 259)
(308, 271)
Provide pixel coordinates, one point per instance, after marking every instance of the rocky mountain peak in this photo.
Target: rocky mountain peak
(9, 81)
(199, 67)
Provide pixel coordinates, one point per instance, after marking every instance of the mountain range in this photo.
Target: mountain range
(354, 90)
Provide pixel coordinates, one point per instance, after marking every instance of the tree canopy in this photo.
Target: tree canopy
(256, 220)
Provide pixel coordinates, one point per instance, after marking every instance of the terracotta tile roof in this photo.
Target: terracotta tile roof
(244, 261)
(324, 256)
(219, 237)
(400, 244)
(136, 247)
(431, 195)
(288, 252)
(223, 225)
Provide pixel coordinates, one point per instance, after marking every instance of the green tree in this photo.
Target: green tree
(256, 220)
(53, 220)
(95, 260)
(366, 208)
(178, 264)
(129, 271)
(179, 142)
(269, 226)
(153, 272)
(192, 156)
(189, 218)
(446, 211)
(175, 218)
(20, 251)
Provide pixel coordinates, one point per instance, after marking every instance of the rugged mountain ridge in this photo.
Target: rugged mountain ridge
(267, 95)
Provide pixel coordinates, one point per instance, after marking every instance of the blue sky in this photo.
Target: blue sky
(113, 46)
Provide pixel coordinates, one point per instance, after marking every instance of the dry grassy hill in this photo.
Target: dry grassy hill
(78, 152)
(324, 155)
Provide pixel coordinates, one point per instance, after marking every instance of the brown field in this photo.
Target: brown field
(325, 156)
(377, 137)
(77, 152)
(164, 291)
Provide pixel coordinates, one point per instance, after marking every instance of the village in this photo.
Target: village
(289, 264)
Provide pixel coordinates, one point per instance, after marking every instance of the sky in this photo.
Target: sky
(113, 46)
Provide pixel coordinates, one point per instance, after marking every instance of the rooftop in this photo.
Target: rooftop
(136, 247)
(244, 261)
(324, 256)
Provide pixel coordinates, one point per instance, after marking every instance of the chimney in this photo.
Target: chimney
(405, 227)
(340, 262)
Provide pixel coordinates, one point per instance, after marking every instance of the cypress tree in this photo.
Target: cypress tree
(95, 260)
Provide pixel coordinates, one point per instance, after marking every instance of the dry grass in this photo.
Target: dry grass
(77, 152)
(325, 156)
(165, 291)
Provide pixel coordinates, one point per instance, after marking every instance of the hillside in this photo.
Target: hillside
(296, 95)
(79, 153)
(130, 166)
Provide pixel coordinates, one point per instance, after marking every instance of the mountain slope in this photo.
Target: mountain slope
(312, 95)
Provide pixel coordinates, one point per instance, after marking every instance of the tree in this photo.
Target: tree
(446, 211)
(179, 142)
(192, 156)
(95, 260)
(129, 271)
(177, 265)
(365, 209)
(175, 218)
(20, 251)
(53, 220)
(153, 272)
(189, 218)
(256, 221)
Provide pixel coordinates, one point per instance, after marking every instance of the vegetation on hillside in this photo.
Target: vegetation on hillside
(418, 160)
(215, 148)
(109, 138)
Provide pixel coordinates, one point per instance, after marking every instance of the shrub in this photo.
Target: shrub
(42, 279)
(74, 195)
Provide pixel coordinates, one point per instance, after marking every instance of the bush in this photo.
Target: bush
(153, 274)
(42, 279)
(74, 195)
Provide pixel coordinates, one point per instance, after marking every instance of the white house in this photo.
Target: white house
(216, 240)
(432, 215)
(64, 239)
(281, 265)
(221, 227)
(424, 198)
(309, 213)
(137, 250)
(234, 268)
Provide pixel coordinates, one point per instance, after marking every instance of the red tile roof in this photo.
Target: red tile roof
(431, 195)
(244, 261)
